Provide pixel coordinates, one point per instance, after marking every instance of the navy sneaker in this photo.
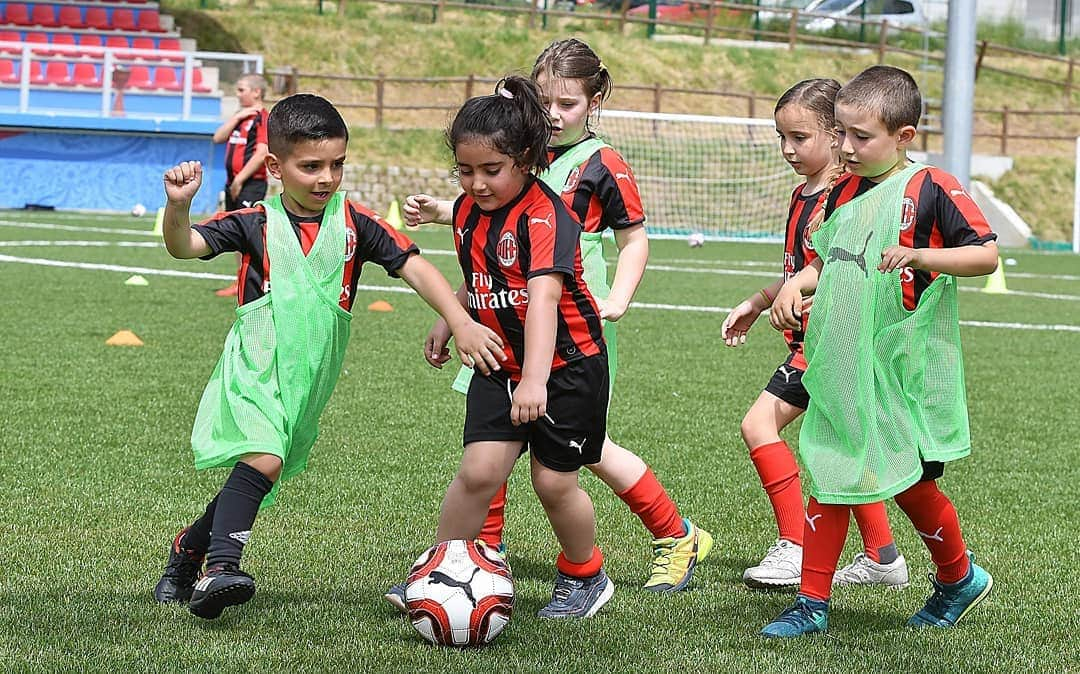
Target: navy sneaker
(578, 597)
(396, 596)
(805, 616)
(181, 572)
(951, 602)
(222, 585)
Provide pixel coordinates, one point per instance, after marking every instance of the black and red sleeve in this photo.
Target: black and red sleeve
(378, 242)
(234, 231)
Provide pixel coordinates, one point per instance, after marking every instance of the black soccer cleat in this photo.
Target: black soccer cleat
(181, 572)
(221, 586)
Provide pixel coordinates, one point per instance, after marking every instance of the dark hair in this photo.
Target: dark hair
(817, 95)
(890, 93)
(303, 117)
(512, 121)
(575, 60)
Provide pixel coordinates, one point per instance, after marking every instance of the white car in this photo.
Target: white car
(896, 12)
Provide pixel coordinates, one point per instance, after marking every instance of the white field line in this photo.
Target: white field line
(405, 290)
(81, 244)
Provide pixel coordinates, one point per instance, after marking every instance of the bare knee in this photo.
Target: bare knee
(554, 488)
(478, 479)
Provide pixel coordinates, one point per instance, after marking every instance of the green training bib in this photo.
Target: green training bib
(283, 355)
(886, 384)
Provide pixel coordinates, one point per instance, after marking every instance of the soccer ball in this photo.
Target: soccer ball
(459, 593)
(138, 210)
(696, 240)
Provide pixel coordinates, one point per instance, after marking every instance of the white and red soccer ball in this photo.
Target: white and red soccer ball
(459, 593)
(695, 240)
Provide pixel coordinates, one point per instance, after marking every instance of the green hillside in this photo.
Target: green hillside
(400, 40)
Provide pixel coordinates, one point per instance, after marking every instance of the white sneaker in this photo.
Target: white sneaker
(865, 571)
(781, 567)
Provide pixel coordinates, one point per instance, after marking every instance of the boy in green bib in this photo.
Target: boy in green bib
(884, 365)
(259, 414)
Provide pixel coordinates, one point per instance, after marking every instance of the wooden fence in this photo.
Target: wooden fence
(427, 102)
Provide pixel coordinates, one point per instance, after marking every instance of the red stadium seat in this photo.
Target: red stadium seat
(71, 16)
(165, 78)
(56, 72)
(36, 75)
(197, 82)
(150, 20)
(36, 38)
(170, 44)
(144, 43)
(17, 13)
(66, 44)
(9, 71)
(43, 15)
(123, 19)
(97, 17)
(86, 75)
(10, 36)
(140, 78)
(120, 45)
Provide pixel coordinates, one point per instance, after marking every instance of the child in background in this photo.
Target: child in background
(884, 364)
(259, 413)
(598, 186)
(521, 260)
(245, 154)
(807, 130)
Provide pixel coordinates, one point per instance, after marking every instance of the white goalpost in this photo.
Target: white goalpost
(720, 176)
(1076, 202)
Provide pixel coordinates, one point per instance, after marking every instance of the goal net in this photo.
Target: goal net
(720, 176)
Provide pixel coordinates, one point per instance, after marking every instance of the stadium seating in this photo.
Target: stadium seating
(66, 45)
(123, 19)
(10, 36)
(139, 78)
(57, 72)
(17, 14)
(9, 71)
(85, 74)
(165, 79)
(43, 15)
(150, 20)
(97, 17)
(71, 17)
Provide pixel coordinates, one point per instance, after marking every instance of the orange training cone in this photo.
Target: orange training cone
(380, 305)
(124, 338)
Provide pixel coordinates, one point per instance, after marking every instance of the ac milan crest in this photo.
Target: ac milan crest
(507, 250)
(907, 214)
(572, 180)
(350, 242)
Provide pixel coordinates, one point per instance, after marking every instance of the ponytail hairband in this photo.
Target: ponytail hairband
(506, 93)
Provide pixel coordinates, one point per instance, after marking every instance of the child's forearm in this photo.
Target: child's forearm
(540, 327)
(974, 260)
(444, 212)
(177, 233)
(807, 278)
(762, 300)
(433, 287)
(633, 255)
(252, 165)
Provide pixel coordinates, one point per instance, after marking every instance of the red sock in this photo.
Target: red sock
(937, 523)
(874, 528)
(648, 500)
(583, 570)
(825, 531)
(491, 533)
(779, 474)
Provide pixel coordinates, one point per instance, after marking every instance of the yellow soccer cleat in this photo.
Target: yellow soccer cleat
(675, 559)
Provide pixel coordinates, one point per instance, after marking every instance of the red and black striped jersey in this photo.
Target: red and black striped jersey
(499, 251)
(937, 212)
(368, 238)
(602, 192)
(241, 145)
(799, 252)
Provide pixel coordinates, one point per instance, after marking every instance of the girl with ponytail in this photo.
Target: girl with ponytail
(808, 141)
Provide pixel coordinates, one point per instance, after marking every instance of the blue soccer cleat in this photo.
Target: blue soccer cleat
(805, 616)
(578, 597)
(951, 602)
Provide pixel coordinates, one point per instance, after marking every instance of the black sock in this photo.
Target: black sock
(887, 554)
(238, 503)
(197, 537)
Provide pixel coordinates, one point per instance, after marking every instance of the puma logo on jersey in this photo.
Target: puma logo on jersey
(783, 369)
(461, 234)
(546, 221)
(622, 176)
(837, 253)
(579, 446)
(957, 193)
(936, 536)
(440, 578)
(811, 521)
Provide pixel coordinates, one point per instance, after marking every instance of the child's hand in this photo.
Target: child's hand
(244, 113)
(899, 256)
(234, 189)
(182, 182)
(435, 351)
(786, 313)
(479, 347)
(529, 402)
(738, 322)
(611, 311)
(420, 208)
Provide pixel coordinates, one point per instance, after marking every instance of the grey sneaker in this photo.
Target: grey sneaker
(865, 571)
(396, 596)
(781, 567)
(578, 597)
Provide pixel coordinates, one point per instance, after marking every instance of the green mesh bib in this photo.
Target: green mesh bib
(592, 253)
(886, 384)
(282, 356)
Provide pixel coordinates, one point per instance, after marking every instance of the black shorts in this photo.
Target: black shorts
(786, 384)
(253, 191)
(572, 432)
(932, 470)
